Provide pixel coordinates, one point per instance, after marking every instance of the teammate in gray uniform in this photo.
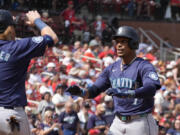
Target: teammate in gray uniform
(15, 56)
(132, 82)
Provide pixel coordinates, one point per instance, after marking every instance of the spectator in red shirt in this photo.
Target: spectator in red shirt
(68, 14)
(78, 26)
(90, 52)
(105, 52)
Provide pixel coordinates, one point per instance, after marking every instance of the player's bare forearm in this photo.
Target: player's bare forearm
(48, 31)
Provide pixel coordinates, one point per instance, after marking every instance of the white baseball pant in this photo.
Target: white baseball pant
(21, 117)
(145, 125)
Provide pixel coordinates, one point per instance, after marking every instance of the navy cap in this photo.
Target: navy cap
(5, 20)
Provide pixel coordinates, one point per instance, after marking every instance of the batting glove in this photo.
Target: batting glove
(76, 91)
(119, 93)
(112, 91)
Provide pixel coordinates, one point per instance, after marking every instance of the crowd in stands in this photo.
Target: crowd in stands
(83, 51)
(71, 24)
(139, 9)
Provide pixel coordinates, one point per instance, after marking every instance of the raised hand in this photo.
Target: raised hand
(32, 16)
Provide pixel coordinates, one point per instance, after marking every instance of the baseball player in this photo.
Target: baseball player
(15, 56)
(132, 82)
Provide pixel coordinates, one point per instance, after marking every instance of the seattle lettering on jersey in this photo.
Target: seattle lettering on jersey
(124, 83)
(4, 56)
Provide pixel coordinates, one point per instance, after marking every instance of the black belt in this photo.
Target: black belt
(129, 118)
(13, 107)
(8, 107)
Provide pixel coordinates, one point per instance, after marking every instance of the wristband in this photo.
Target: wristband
(39, 24)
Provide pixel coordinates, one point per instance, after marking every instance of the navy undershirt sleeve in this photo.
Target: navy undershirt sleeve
(146, 91)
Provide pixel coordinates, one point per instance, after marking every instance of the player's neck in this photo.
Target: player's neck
(128, 59)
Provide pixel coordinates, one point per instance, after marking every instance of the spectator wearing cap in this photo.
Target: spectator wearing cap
(109, 108)
(60, 98)
(45, 103)
(170, 79)
(83, 116)
(96, 122)
(69, 120)
(68, 13)
(48, 77)
(51, 68)
(144, 47)
(31, 117)
(91, 51)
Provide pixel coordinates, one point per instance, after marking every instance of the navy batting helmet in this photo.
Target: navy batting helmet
(5, 20)
(128, 32)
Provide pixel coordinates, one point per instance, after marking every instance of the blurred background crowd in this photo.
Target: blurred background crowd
(84, 50)
(150, 9)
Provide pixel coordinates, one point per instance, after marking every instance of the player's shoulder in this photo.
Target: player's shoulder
(6, 44)
(143, 61)
(145, 64)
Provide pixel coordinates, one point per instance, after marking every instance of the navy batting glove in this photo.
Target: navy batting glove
(112, 91)
(76, 91)
(119, 93)
(126, 94)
